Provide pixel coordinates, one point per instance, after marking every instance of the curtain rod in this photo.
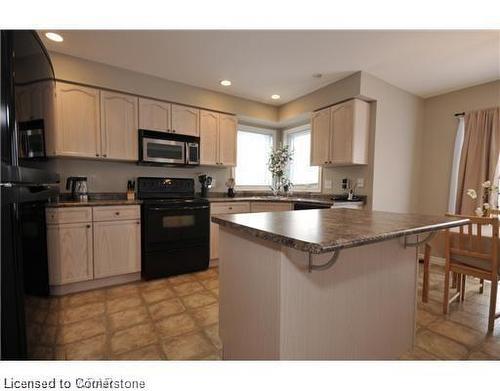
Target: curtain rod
(459, 114)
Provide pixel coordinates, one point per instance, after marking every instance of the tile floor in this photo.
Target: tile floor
(177, 318)
(462, 334)
(174, 318)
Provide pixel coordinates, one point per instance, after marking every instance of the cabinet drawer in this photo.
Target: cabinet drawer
(68, 215)
(112, 213)
(229, 207)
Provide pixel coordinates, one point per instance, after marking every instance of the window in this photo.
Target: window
(254, 146)
(301, 173)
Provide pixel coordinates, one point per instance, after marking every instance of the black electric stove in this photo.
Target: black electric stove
(175, 227)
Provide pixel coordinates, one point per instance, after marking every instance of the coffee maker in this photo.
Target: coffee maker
(78, 187)
(206, 184)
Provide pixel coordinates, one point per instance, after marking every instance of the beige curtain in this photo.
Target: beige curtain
(479, 160)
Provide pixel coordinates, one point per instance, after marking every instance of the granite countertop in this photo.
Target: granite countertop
(68, 204)
(324, 230)
(326, 200)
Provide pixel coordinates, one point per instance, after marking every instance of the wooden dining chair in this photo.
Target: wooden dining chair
(470, 253)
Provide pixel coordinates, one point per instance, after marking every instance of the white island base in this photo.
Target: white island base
(272, 308)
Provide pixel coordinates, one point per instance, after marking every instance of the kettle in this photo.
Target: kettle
(78, 187)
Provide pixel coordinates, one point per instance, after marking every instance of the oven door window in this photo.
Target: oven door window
(169, 228)
(163, 151)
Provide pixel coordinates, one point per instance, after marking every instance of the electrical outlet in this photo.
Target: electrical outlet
(213, 183)
(328, 183)
(360, 182)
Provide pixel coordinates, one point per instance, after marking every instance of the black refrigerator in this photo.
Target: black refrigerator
(24, 188)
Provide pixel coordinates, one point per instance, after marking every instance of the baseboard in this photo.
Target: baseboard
(58, 290)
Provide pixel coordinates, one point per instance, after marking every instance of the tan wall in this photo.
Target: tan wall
(438, 138)
(398, 117)
(344, 89)
(90, 72)
(112, 176)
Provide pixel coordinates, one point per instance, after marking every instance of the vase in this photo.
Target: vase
(276, 186)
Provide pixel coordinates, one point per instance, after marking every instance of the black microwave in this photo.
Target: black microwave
(160, 148)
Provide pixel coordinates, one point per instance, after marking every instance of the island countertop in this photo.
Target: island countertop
(324, 230)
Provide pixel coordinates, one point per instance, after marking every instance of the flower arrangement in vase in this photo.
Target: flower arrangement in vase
(277, 165)
(483, 210)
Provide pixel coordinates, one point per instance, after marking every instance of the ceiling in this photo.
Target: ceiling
(262, 63)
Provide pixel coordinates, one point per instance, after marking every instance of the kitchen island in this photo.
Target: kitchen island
(320, 284)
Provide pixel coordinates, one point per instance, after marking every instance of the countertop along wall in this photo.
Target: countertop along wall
(438, 139)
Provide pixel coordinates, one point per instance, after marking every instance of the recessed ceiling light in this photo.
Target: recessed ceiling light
(275, 96)
(225, 83)
(54, 37)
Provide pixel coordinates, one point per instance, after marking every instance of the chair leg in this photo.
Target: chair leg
(425, 284)
(446, 289)
(454, 280)
(481, 286)
(493, 304)
(459, 283)
(462, 286)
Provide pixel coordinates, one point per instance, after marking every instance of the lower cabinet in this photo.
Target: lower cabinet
(70, 249)
(85, 243)
(117, 248)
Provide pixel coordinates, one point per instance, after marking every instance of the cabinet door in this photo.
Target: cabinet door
(227, 139)
(117, 246)
(69, 248)
(342, 122)
(78, 128)
(320, 138)
(119, 126)
(185, 120)
(209, 144)
(154, 115)
(214, 241)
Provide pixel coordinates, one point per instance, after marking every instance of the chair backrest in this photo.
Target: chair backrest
(476, 241)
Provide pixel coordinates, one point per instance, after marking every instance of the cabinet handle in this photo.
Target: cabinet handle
(117, 213)
(173, 130)
(97, 154)
(138, 222)
(105, 155)
(230, 208)
(88, 225)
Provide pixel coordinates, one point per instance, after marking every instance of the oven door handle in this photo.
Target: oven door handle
(175, 208)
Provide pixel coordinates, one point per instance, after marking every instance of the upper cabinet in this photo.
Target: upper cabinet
(77, 131)
(185, 120)
(209, 138)
(155, 115)
(119, 125)
(217, 139)
(86, 122)
(340, 134)
(320, 137)
(227, 139)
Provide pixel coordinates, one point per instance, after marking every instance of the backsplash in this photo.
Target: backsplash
(112, 176)
(109, 176)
